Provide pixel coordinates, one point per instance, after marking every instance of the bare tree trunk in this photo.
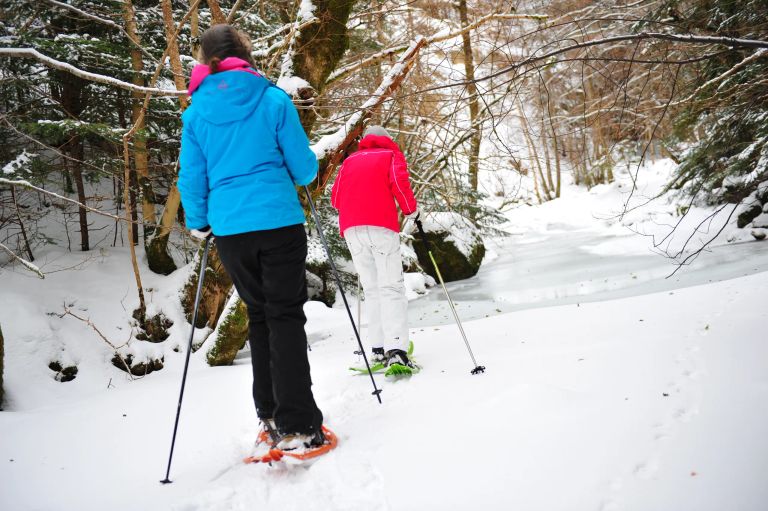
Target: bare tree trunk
(157, 248)
(217, 14)
(139, 313)
(173, 49)
(194, 27)
(532, 152)
(75, 150)
(21, 224)
(474, 109)
(140, 157)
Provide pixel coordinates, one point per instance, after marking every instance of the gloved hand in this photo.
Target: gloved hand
(414, 215)
(202, 233)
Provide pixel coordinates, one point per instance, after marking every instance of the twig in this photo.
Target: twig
(68, 312)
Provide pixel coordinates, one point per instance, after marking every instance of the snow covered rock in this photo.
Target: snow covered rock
(750, 212)
(143, 367)
(320, 284)
(759, 234)
(63, 374)
(416, 284)
(457, 247)
(761, 221)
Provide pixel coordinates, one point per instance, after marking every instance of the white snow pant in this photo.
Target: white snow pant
(376, 254)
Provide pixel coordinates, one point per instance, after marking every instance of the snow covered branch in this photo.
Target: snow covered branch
(27, 184)
(443, 35)
(31, 53)
(330, 148)
(762, 52)
(103, 21)
(31, 267)
(84, 14)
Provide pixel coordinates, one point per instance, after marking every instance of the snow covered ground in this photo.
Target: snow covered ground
(607, 387)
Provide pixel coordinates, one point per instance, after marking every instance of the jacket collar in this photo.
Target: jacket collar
(201, 71)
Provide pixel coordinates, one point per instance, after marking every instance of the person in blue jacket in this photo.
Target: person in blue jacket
(243, 151)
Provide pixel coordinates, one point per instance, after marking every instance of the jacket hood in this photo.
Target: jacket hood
(378, 142)
(229, 95)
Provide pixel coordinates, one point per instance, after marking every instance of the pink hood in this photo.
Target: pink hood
(201, 71)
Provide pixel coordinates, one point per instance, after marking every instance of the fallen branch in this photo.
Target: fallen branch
(31, 267)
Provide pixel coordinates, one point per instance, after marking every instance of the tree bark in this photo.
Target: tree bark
(75, 150)
(21, 225)
(217, 15)
(157, 248)
(319, 49)
(474, 108)
(140, 158)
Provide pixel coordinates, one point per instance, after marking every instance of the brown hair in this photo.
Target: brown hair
(222, 41)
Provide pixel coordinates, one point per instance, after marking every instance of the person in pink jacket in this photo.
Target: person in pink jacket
(369, 184)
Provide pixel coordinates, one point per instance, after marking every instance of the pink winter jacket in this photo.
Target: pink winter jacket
(369, 182)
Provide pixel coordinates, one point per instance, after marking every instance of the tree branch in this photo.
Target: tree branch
(31, 53)
(330, 148)
(694, 39)
(31, 267)
(436, 38)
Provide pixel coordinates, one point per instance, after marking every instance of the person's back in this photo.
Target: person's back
(242, 151)
(369, 185)
(253, 157)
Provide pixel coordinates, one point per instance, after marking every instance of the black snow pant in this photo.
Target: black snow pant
(267, 268)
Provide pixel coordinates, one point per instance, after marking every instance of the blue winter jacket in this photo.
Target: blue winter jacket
(243, 151)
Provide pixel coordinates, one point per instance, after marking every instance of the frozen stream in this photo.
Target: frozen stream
(565, 266)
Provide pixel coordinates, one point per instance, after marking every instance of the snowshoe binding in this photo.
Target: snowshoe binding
(398, 364)
(295, 447)
(383, 367)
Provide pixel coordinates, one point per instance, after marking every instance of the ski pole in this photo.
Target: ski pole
(376, 391)
(201, 277)
(478, 368)
(359, 313)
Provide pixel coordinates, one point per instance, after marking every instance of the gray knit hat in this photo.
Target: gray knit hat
(376, 130)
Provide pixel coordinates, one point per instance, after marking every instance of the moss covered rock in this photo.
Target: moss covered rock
(455, 244)
(231, 334)
(158, 259)
(215, 290)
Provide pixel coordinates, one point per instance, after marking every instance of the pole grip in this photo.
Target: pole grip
(423, 235)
